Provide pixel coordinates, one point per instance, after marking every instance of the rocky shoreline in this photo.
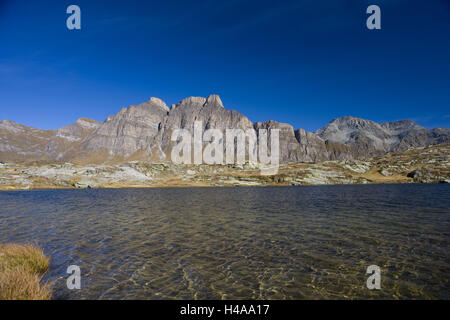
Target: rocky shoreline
(418, 165)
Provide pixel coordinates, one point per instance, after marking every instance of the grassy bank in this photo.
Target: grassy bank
(21, 271)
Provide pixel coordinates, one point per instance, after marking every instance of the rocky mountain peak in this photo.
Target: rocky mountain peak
(349, 129)
(371, 138)
(144, 132)
(158, 102)
(401, 126)
(352, 122)
(214, 99)
(87, 123)
(109, 118)
(190, 101)
(10, 126)
(78, 130)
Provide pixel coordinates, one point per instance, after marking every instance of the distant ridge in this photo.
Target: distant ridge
(143, 133)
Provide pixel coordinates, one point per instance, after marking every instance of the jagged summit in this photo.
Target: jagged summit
(78, 130)
(10, 125)
(212, 99)
(346, 118)
(349, 121)
(191, 100)
(87, 122)
(370, 138)
(402, 125)
(143, 132)
(159, 102)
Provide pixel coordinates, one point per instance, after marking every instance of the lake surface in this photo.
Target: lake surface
(239, 243)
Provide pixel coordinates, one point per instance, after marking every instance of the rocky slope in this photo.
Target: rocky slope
(425, 165)
(19, 142)
(144, 132)
(370, 138)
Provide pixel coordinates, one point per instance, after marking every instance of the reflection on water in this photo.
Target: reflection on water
(239, 243)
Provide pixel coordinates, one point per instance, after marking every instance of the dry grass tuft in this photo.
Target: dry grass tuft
(21, 271)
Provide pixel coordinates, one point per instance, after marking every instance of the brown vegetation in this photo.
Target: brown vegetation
(21, 271)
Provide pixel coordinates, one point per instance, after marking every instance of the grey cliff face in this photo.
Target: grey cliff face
(209, 111)
(144, 133)
(78, 130)
(312, 147)
(289, 147)
(132, 129)
(369, 138)
(19, 142)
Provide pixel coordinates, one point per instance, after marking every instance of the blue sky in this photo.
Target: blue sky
(301, 62)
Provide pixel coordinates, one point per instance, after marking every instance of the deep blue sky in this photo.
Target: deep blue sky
(301, 62)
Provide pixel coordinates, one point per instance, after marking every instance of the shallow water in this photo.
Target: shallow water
(239, 243)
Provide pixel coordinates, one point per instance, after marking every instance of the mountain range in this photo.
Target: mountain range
(143, 133)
